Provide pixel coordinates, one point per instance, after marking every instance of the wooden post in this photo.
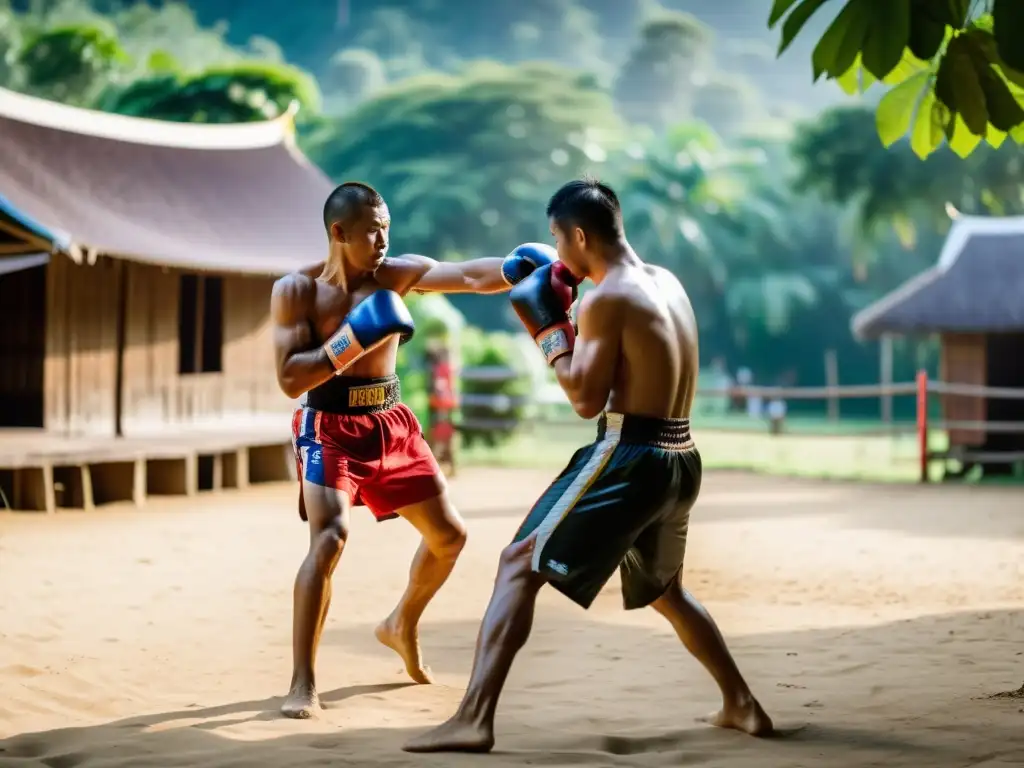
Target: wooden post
(885, 369)
(922, 422)
(197, 357)
(139, 489)
(121, 334)
(49, 492)
(831, 382)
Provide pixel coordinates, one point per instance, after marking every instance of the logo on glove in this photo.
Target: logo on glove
(554, 344)
(339, 345)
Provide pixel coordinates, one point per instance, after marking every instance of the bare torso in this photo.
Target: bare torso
(658, 364)
(324, 304)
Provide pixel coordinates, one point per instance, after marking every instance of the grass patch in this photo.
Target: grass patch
(809, 448)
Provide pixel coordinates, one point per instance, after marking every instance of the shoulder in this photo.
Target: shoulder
(605, 306)
(400, 273)
(609, 297)
(294, 285)
(292, 295)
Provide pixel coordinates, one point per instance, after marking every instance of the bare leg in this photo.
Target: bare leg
(444, 536)
(504, 631)
(327, 511)
(695, 627)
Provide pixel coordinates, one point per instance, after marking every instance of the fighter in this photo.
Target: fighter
(623, 502)
(336, 339)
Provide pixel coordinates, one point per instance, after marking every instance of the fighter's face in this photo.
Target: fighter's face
(571, 244)
(366, 237)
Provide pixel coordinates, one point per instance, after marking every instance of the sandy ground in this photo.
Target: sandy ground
(876, 625)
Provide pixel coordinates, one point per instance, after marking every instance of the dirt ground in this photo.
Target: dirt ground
(877, 625)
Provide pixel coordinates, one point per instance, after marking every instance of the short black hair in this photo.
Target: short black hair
(590, 205)
(348, 199)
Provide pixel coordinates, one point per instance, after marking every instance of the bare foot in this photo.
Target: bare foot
(453, 736)
(301, 703)
(406, 643)
(746, 716)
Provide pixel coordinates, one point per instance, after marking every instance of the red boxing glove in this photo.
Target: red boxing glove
(542, 302)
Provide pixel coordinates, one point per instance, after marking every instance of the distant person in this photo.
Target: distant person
(441, 404)
(744, 379)
(336, 338)
(623, 502)
(776, 411)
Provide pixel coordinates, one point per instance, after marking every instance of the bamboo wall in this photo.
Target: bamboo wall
(81, 346)
(82, 340)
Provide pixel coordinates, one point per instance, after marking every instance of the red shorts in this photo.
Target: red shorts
(381, 460)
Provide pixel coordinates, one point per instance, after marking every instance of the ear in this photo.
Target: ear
(579, 238)
(337, 233)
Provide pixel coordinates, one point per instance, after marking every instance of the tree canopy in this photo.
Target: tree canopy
(464, 160)
(781, 223)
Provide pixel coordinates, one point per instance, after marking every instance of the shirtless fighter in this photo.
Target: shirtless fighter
(336, 339)
(623, 502)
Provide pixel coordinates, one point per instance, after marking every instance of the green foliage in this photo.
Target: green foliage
(468, 152)
(236, 93)
(464, 160)
(955, 69)
(839, 159)
(71, 63)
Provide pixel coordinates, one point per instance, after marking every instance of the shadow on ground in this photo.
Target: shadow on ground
(910, 693)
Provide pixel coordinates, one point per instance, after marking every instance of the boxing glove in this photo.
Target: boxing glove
(542, 301)
(369, 324)
(525, 259)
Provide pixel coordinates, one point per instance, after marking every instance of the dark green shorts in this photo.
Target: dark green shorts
(622, 502)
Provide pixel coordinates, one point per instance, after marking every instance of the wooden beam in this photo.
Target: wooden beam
(28, 237)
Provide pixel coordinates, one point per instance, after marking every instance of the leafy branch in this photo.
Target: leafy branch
(954, 68)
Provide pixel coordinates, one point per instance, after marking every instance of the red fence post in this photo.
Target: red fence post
(922, 422)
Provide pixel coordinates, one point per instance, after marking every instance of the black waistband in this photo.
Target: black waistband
(350, 396)
(649, 430)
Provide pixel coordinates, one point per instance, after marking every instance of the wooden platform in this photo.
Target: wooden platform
(45, 472)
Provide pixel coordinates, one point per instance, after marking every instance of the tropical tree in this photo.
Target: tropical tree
(839, 159)
(467, 162)
(70, 64)
(239, 93)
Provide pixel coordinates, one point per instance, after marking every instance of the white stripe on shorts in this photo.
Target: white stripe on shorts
(571, 496)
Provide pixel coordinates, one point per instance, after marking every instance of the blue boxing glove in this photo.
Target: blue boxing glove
(542, 302)
(369, 324)
(525, 259)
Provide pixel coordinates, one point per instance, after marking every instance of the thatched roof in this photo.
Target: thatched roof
(977, 286)
(226, 198)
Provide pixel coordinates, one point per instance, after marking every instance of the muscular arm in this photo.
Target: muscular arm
(299, 368)
(424, 275)
(587, 375)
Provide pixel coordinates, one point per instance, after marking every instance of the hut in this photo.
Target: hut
(136, 263)
(973, 300)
